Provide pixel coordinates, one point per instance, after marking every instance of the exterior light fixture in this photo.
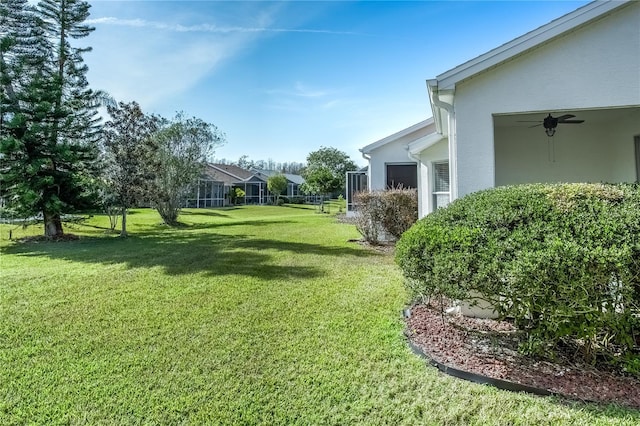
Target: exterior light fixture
(550, 131)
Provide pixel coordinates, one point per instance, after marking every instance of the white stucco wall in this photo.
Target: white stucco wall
(393, 151)
(597, 66)
(624, 153)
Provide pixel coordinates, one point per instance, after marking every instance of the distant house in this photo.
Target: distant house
(390, 163)
(558, 104)
(209, 191)
(214, 185)
(293, 181)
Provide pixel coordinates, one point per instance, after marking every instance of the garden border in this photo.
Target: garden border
(473, 377)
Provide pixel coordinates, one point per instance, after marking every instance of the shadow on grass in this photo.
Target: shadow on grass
(185, 253)
(299, 206)
(206, 212)
(157, 228)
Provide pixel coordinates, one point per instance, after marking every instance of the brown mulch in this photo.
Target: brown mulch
(489, 348)
(42, 238)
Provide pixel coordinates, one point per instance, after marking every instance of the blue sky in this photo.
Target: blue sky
(282, 79)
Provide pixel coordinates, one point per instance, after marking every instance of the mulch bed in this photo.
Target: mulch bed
(489, 348)
(44, 239)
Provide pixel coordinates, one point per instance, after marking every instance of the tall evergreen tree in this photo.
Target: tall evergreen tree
(50, 126)
(24, 93)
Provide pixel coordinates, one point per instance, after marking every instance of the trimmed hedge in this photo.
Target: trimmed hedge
(563, 261)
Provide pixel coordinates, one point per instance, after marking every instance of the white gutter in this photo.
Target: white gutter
(439, 104)
(368, 158)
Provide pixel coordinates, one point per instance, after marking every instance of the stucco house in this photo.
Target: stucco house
(293, 181)
(580, 72)
(213, 186)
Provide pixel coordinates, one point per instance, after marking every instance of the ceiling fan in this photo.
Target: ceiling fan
(550, 123)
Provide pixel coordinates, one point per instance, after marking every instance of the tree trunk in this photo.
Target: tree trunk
(123, 233)
(52, 225)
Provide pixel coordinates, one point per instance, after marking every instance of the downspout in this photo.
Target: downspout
(434, 94)
(368, 158)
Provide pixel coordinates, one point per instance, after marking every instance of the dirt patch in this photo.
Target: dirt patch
(381, 247)
(489, 348)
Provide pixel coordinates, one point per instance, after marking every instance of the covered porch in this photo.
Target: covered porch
(605, 147)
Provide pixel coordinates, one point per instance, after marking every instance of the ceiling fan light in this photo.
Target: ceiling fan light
(550, 131)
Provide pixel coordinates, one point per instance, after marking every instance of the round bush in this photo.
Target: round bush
(563, 261)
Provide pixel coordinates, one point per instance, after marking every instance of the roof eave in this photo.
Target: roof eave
(404, 132)
(541, 35)
(419, 145)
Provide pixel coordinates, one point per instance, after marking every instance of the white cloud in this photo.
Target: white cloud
(308, 92)
(302, 97)
(204, 28)
(151, 61)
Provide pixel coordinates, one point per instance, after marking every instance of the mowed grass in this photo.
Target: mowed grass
(252, 315)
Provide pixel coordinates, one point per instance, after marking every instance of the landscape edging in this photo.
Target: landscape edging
(472, 377)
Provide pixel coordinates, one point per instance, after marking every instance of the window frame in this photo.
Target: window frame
(435, 176)
(400, 164)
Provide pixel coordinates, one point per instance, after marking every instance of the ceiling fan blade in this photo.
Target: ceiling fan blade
(535, 125)
(570, 121)
(564, 117)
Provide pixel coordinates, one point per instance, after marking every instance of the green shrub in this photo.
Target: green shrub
(562, 260)
(296, 200)
(386, 213)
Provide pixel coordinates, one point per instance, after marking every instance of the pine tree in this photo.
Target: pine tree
(23, 108)
(50, 127)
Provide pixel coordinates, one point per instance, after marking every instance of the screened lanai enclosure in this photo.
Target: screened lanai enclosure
(356, 182)
(207, 193)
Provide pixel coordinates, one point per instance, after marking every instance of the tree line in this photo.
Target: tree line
(57, 156)
(293, 167)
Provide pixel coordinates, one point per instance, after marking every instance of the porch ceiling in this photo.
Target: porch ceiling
(590, 116)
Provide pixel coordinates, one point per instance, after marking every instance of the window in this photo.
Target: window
(402, 176)
(440, 184)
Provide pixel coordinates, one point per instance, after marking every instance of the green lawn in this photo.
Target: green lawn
(252, 315)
